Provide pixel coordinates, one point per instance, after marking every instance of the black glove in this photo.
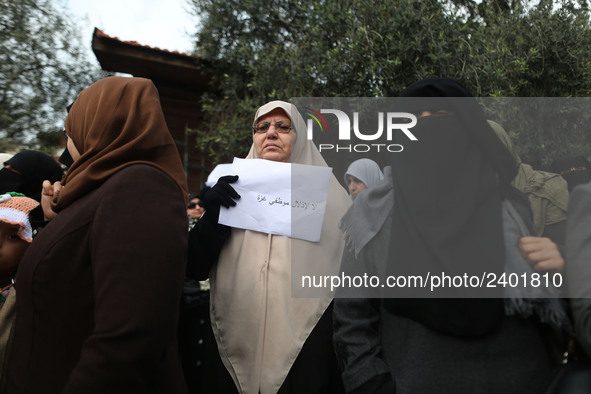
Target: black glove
(207, 237)
(221, 194)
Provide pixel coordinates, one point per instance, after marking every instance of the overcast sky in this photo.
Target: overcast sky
(166, 24)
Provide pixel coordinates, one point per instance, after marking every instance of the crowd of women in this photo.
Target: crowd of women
(100, 283)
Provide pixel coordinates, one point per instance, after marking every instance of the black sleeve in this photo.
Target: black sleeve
(357, 344)
(206, 239)
(556, 232)
(379, 384)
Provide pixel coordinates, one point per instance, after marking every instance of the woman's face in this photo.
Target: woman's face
(355, 186)
(273, 144)
(72, 149)
(195, 210)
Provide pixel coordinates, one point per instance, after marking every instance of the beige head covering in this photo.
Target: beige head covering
(259, 327)
(547, 192)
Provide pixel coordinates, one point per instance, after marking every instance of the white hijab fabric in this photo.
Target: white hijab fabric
(259, 328)
(366, 170)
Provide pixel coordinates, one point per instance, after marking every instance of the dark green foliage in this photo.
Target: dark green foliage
(43, 66)
(278, 49)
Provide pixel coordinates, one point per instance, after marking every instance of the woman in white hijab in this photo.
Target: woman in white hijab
(269, 341)
(362, 174)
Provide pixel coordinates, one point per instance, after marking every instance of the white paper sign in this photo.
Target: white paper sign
(276, 198)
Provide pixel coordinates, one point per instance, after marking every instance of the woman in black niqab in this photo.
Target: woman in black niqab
(28, 169)
(448, 188)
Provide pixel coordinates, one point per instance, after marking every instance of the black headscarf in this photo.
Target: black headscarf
(33, 168)
(576, 170)
(436, 94)
(448, 188)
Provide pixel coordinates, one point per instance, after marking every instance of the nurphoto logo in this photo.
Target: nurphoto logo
(390, 122)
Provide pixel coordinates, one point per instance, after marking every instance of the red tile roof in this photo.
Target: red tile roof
(135, 43)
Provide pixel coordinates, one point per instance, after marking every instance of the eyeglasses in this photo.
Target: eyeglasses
(263, 127)
(191, 205)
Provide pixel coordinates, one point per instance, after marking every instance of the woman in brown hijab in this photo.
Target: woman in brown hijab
(99, 288)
